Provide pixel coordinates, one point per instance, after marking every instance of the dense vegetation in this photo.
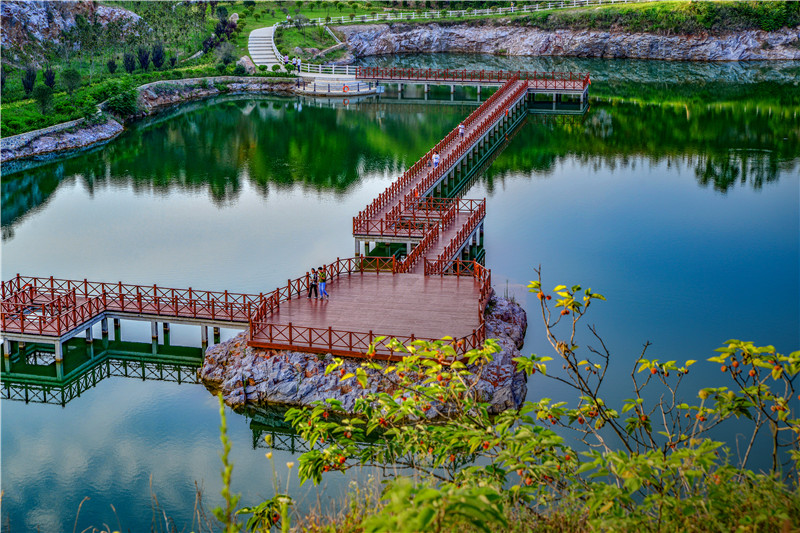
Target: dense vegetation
(189, 39)
(649, 463)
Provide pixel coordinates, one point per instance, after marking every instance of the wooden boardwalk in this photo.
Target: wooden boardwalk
(428, 293)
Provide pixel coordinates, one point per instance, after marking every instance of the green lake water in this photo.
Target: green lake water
(677, 196)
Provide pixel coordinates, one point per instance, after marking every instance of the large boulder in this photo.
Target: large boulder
(248, 64)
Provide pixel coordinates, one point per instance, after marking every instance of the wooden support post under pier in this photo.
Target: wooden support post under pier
(216, 335)
(104, 328)
(204, 336)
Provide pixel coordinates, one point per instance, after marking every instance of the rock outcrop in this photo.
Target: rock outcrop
(258, 377)
(30, 26)
(69, 136)
(382, 39)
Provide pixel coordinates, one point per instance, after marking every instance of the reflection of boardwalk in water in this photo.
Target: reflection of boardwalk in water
(31, 374)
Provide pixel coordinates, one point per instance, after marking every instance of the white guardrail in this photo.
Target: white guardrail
(442, 14)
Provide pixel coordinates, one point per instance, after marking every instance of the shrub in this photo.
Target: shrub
(262, 68)
(221, 68)
(158, 55)
(173, 60)
(28, 79)
(144, 57)
(226, 53)
(71, 80)
(129, 62)
(125, 103)
(50, 77)
(2, 77)
(112, 66)
(276, 67)
(239, 70)
(87, 108)
(43, 95)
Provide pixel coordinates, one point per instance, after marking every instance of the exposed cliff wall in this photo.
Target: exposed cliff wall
(30, 26)
(381, 39)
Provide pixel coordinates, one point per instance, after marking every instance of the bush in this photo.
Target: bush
(129, 62)
(239, 70)
(28, 79)
(226, 53)
(71, 80)
(112, 66)
(125, 103)
(50, 77)
(173, 61)
(263, 68)
(275, 67)
(43, 95)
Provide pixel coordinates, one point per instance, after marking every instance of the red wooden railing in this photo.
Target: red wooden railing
(549, 80)
(484, 116)
(458, 239)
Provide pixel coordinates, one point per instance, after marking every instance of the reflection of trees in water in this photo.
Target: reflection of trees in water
(272, 143)
(217, 148)
(725, 144)
(724, 170)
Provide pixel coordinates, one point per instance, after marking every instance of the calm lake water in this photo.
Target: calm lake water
(680, 202)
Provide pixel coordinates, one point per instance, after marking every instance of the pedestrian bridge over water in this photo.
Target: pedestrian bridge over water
(416, 273)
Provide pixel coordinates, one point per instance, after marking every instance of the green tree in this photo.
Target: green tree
(143, 54)
(43, 95)
(49, 77)
(129, 62)
(28, 79)
(71, 80)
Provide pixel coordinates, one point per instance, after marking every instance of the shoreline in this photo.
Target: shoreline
(76, 136)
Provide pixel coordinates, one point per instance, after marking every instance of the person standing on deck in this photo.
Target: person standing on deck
(435, 159)
(312, 284)
(323, 280)
(461, 130)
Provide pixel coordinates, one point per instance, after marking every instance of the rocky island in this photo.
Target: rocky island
(256, 377)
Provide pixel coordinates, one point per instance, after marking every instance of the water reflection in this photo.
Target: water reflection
(31, 373)
(213, 148)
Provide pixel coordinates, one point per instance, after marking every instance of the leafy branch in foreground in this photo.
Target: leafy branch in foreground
(646, 464)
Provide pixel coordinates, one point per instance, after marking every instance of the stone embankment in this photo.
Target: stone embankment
(159, 95)
(153, 98)
(257, 377)
(404, 38)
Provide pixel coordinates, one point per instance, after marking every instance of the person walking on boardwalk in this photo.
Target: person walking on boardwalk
(435, 159)
(323, 281)
(461, 130)
(312, 284)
